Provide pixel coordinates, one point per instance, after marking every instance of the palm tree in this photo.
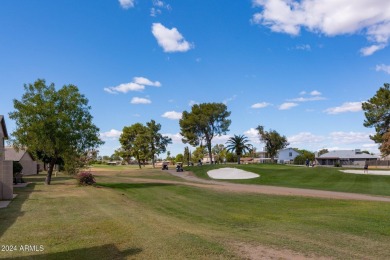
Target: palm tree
(239, 144)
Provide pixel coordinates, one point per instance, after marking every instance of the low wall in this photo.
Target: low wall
(379, 164)
(7, 181)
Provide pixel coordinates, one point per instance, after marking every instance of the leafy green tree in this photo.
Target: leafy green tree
(322, 151)
(179, 158)
(187, 155)
(377, 112)
(303, 156)
(231, 157)
(134, 141)
(115, 157)
(126, 155)
(17, 167)
(157, 142)
(219, 151)
(203, 123)
(273, 141)
(238, 144)
(198, 154)
(55, 123)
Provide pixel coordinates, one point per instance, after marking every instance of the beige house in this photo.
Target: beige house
(24, 158)
(6, 175)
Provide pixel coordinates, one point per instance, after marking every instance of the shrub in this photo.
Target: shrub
(17, 167)
(85, 178)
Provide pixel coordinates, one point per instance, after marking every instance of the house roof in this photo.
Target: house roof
(2, 122)
(288, 149)
(12, 155)
(346, 154)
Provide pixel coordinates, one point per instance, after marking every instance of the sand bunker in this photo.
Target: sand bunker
(231, 173)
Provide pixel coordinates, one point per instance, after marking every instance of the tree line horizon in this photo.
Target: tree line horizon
(56, 125)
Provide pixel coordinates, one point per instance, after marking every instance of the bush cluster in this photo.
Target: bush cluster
(85, 178)
(17, 167)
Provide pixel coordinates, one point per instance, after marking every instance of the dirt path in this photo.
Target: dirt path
(192, 180)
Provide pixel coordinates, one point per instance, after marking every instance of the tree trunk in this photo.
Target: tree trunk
(153, 161)
(50, 171)
(239, 159)
(139, 162)
(209, 150)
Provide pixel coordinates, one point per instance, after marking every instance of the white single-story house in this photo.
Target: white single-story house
(286, 155)
(206, 159)
(30, 166)
(345, 158)
(6, 172)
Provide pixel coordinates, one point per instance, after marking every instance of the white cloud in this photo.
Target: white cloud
(383, 67)
(176, 138)
(170, 39)
(126, 4)
(253, 135)
(260, 105)
(305, 99)
(349, 137)
(124, 88)
(229, 99)
(158, 3)
(305, 138)
(138, 84)
(109, 90)
(370, 146)
(172, 115)
(111, 135)
(146, 82)
(329, 17)
(155, 11)
(158, 6)
(138, 100)
(313, 96)
(337, 140)
(367, 51)
(220, 139)
(287, 105)
(345, 107)
(315, 93)
(303, 47)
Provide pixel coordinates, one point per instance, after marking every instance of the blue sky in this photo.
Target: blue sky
(301, 68)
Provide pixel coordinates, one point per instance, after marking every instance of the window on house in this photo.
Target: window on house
(290, 154)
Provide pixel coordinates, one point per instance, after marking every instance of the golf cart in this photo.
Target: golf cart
(164, 166)
(179, 167)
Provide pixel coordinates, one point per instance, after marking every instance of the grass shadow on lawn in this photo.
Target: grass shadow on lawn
(126, 186)
(9, 215)
(40, 178)
(108, 251)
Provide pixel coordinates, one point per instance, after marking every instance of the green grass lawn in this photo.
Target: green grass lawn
(321, 178)
(124, 220)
